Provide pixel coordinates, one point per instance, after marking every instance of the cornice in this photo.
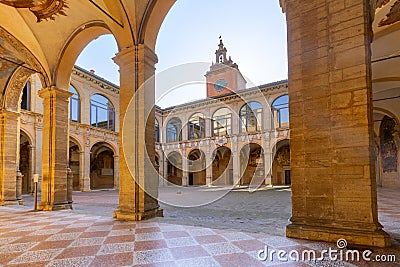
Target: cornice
(96, 80)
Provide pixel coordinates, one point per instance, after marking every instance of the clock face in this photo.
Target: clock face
(220, 85)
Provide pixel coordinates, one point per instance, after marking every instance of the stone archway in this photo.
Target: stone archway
(25, 163)
(222, 166)
(281, 163)
(75, 164)
(252, 165)
(197, 167)
(174, 168)
(101, 167)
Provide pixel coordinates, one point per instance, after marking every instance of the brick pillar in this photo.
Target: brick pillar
(9, 136)
(333, 176)
(55, 149)
(138, 178)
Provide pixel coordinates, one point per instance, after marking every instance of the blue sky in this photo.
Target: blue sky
(254, 32)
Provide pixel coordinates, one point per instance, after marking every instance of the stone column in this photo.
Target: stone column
(185, 129)
(235, 120)
(82, 171)
(208, 125)
(38, 156)
(32, 160)
(236, 168)
(116, 172)
(9, 136)
(138, 177)
(333, 175)
(209, 173)
(185, 169)
(267, 117)
(55, 149)
(164, 170)
(268, 166)
(86, 169)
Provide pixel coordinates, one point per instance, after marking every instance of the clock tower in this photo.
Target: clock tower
(224, 76)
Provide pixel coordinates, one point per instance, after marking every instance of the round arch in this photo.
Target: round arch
(150, 25)
(75, 44)
(280, 169)
(107, 144)
(75, 139)
(386, 112)
(102, 168)
(103, 95)
(77, 88)
(173, 134)
(27, 135)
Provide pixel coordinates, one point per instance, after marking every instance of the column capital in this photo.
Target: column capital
(9, 113)
(127, 55)
(53, 91)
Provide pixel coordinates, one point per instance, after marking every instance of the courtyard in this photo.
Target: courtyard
(227, 232)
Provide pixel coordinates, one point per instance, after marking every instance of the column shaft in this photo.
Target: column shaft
(55, 148)
(138, 177)
(9, 136)
(333, 176)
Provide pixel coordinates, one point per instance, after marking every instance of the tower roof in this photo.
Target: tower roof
(221, 58)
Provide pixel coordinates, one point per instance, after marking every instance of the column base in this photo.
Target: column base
(129, 215)
(7, 202)
(355, 238)
(53, 207)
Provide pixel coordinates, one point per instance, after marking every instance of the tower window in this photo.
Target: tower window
(221, 59)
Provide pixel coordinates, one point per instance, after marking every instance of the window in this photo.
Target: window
(221, 59)
(196, 126)
(222, 122)
(156, 131)
(101, 112)
(174, 130)
(280, 112)
(26, 97)
(74, 105)
(251, 117)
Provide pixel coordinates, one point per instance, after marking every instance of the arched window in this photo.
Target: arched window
(156, 131)
(196, 126)
(222, 122)
(74, 105)
(174, 130)
(101, 112)
(251, 117)
(26, 97)
(280, 112)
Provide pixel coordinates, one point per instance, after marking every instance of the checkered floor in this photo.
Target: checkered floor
(65, 238)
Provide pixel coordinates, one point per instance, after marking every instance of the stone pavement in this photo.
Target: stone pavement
(82, 237)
